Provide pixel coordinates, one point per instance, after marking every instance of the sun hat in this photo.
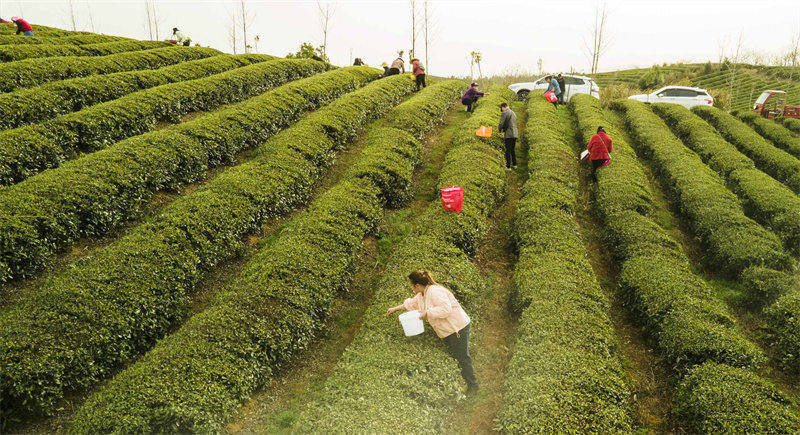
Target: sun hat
(384, 64)
(474, 84)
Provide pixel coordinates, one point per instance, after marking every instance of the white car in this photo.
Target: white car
(573, 84)
(686, 96)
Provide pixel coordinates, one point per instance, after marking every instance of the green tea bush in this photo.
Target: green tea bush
(88, 196)
(276, 306)
(793, 124)
(34, 72)
(732, 240)
(28, 106)
(772, 131)
(11, 53)
(774, 161)
(48, 40)
(764, 199)
(565, 374)
(413, 382)
(33, 148)
(719, 399)
(49, 32)
(678, 310)
(784, 318)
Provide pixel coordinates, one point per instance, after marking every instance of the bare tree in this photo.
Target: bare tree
(598, 41)
(154, 21)
(90, 15)
(246, 19)
(325, 16)
(734, 60)
(476, 59)
(540, 66)
(255, 41)
(430, 30)
(413, 6)
(471, 60)
(232, 27)
(793, 54)
(72, 20)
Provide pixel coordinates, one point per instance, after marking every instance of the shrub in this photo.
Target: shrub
(47, 40)
(250, 329)
(34, 72)
(784, 318)
(18, 52)
(772, 131)
(616, 92)
(716, 398)
(792, 124)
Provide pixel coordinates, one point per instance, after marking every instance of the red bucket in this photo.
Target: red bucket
(551, 96)
(452, 197)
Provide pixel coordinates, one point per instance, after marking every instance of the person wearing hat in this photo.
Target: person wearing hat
(399, 65)
(471, 96)
(563, 87)
(358, 62)
(22, 26)
(599, 147)
(179, 38)
(385, 69)
(419, 72)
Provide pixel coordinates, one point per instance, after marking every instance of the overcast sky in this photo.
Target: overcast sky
(508, 33)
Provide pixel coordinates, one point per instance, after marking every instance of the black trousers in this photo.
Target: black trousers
(511, 153)
(421, 81)
(469, 102)
(392, 72)
(459, 350)
(596, 164)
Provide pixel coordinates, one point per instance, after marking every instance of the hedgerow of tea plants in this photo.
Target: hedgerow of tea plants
(774, 161)
(33, 148)
(793, 124)
(772, 131)
(36, 105)
(49, 40)
(34, 72)
(11, 53)
(565, 374)
(412, 381)
(131, 291)
(277, 305)
(763, 198)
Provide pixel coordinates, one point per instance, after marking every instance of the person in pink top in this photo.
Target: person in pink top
(445, 315)
(419, 72)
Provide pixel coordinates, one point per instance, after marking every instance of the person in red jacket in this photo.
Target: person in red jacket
(599, 146)
(22, 26)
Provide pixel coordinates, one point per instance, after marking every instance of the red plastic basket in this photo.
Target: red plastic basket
(452, 198)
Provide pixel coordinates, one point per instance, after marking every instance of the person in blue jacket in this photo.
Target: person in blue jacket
(553, 86)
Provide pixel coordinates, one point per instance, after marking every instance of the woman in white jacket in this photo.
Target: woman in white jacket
(445, 315)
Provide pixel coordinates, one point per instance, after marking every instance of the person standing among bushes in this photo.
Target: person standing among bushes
(471, 96)
(563, 87)
(445, 315)
(553, 86)
(397, 66)
(599, 147)
(508, 125)
(419, 72)
(22, 26)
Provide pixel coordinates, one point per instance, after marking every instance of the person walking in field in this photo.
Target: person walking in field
(445, 315)
(419, 72)
(22, 26)
(471, 96)
(599, 147)
(508, 125)
(553, 86)
(563, 87)
(398, 66)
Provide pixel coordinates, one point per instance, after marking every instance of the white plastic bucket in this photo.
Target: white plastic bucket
(412, 324)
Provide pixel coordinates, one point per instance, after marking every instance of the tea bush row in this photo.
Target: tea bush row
(39, 30)
(565, 374)
(11, 53)
(412, 381)
(764, 199)
(49, 40)
(36, 105)
(34, 72)
(774, 161)
(31, 149)
(281, 300)
(677, 309)
(116, 303)
(732, 241)
(88, 196)
(793, 124)
(772, 131)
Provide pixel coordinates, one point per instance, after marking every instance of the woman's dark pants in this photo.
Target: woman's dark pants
(469, 102)
(595, 165)
(392, 72)
(420, 81)
(459, 350)
(511, 154)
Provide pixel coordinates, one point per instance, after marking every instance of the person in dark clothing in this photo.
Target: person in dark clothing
(399, 65)
(419, 73)
(563, 87)
(553, 86)
(358, 62)
(22, 26)
(508, 125)
(385, 67)
(599, 147)
(471, 96)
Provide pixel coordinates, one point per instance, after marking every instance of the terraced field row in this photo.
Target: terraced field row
(11, 53)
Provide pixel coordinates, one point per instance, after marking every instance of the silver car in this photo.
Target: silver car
(573, 84)
(686, 96)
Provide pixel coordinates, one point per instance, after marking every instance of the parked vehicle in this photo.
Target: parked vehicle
(574, 84)
(686, 96)
(773, 103)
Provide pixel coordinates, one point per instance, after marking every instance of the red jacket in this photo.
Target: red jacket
(416, 69)
(599, 146)
(23, 26)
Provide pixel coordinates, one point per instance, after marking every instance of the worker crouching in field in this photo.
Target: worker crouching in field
(179, 38)
(22, 26)
(599, 147)
(471, 96)
(419, 72)
(445, 315)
